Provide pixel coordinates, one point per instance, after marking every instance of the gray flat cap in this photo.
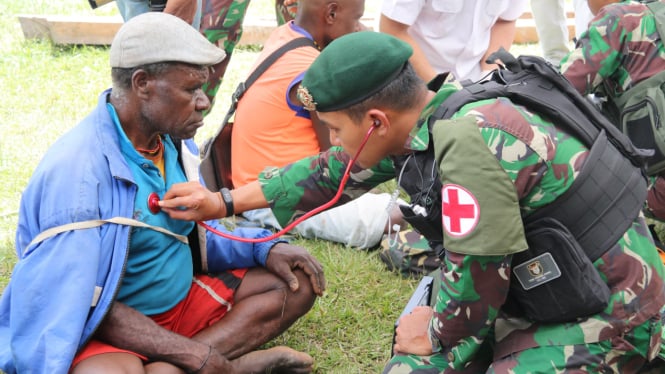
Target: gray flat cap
(161, 37)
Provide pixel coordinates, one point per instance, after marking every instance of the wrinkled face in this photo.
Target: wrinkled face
(346, 18)
(349, 135)
(174, 101)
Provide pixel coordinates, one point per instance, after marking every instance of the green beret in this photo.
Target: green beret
(351, 69)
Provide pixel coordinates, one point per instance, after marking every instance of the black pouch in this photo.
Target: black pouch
(554, 280)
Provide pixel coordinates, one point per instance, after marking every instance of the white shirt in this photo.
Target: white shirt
(453, 34)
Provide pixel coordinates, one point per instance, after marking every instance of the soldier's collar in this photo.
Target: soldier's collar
(444, 85)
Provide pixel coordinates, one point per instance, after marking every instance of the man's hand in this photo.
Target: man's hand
(412, 334)
(191, 201)
(284, 258)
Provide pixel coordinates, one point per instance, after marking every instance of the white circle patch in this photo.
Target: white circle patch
(459, 209)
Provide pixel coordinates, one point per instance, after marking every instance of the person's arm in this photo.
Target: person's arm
(54, 271)
(191, 201)
(478, 287)
(290, 191)
(184, 9)
(502, 34)
(418, 60)
(597, 54)
(127, 328)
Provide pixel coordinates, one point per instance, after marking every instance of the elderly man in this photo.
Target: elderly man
(474, 176)
(107, 283)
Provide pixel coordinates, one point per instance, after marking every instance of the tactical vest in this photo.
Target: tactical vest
(604, 199)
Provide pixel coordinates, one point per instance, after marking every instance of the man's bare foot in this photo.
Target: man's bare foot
(274, 360)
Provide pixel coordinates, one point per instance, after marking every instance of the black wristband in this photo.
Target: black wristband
(228, 201)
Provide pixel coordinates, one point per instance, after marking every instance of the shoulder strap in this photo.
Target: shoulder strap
(82, 225)
(658, 10)
(265, 64)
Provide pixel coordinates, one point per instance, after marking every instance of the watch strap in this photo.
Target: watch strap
(228, 201)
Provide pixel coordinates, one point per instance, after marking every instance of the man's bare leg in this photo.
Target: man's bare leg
(274, 360)
(264, 308)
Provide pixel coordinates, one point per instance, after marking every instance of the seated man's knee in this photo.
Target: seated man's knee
(110, 363)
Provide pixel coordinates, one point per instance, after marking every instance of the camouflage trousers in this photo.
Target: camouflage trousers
(409, 254)
(622, 354)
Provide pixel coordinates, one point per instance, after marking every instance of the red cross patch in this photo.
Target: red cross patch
(460, 210)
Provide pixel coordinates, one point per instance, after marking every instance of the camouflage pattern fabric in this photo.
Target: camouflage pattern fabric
(621, 47)
(221, 24)
(285, 10)
(542, 162)
(620, 355)
(408, 254)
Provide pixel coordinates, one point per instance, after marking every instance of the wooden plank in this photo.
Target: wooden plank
(99, 30)
(92, 30)
(525, 30)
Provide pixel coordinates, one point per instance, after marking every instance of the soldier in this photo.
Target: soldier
(492, 162)
(620, 49)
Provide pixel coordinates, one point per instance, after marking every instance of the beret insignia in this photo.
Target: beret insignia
(306, 98)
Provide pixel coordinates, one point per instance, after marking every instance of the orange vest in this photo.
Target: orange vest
(268, 129)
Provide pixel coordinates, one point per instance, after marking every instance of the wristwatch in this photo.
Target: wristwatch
(228, 201)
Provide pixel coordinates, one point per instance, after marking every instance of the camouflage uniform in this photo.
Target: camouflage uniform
(525, 163)
(620, 49)
(221, 23)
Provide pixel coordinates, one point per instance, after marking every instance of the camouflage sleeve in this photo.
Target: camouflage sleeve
(221, 24)
(598, 52)
(311, 182)
(620, 34)
(473, 288)
(656, 197)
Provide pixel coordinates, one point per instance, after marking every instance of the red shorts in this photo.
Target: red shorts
(207, 302)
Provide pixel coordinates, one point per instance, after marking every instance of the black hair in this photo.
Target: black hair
(400, 94)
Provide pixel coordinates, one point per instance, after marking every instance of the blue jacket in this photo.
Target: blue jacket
(61, 288)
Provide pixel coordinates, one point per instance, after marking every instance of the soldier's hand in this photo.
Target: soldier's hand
(412, 334)
(191, 201)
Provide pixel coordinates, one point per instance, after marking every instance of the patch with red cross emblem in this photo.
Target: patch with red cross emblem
(460, 210)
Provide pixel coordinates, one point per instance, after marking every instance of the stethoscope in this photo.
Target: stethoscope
(153, 203)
